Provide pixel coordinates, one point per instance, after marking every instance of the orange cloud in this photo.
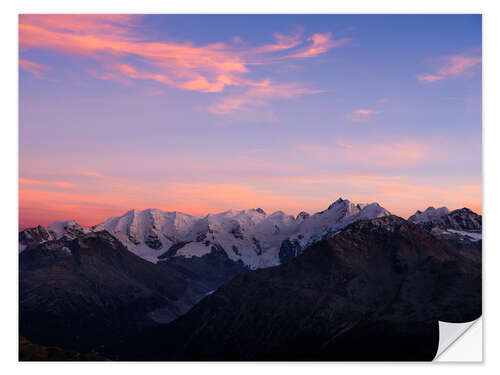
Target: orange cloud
(112, 39)
(105, 39)
(452, 67)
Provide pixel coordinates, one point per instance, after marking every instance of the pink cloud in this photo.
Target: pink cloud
(383, 101)
(365, 112)
(110, 39)
(283, 42)
(259, 96)
(361, 115)
(36, 69)
(429, 78)
(63, 184)
(320, 44)
(457, 65)
(452, 67)
(90, 173)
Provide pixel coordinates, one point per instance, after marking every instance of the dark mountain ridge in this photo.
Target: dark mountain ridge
(375, 291)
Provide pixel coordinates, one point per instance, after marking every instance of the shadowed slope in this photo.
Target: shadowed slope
(373, 292)
(91, 291)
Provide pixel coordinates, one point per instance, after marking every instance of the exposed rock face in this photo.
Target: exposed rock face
(289, 250)
(34, 236)
(91, 291)
(461, 220)
(172, 251)
(460, 229)
(375, 291)
(153, 241)
(458, 220)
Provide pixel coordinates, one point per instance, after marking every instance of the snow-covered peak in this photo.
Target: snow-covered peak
(251, 236)
(279, 215)
(148, 231)
(338, 202)
(69, 229)
(338, 210)
(372, 211)
(60, 226)
(462, 223)
(327, 223)
(245, 217)
(429, 214)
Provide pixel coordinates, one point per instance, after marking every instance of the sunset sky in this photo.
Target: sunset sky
(203, 113)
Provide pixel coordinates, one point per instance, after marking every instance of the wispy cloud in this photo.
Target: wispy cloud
(62, 184)
(452, 67)
(259, 96)
(320, 43)
(90, 173)
(35, 68)
(125, 53)
(383, 101)
(429, 78)
(362, 115)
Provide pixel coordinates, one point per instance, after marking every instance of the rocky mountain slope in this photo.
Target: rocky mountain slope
(89, 291)
(461, 221)
(461, 229)
(375, 291)
(251, 236)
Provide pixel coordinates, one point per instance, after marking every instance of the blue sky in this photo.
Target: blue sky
(205, 113)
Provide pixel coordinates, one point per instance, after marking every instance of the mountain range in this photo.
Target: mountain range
(257, 239)
(117, 288)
